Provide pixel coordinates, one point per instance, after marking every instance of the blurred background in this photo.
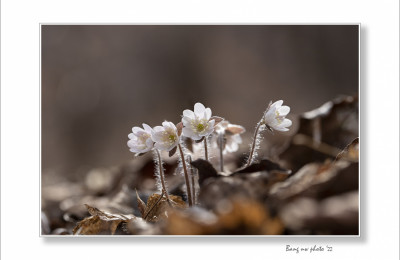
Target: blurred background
(100, 81)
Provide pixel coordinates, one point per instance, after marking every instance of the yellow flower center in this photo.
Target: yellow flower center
(172, 138)
(278, 117)
(200, 127)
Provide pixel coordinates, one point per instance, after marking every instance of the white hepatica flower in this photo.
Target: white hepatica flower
(197, 123)
(231, 135)
(275, 115)
(165, 136)
(140, 139)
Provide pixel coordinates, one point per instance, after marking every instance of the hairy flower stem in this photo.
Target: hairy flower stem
(205, 149)
(221, 151)
(161, 170)
(188, 190)
(254, 144)
(193, 184)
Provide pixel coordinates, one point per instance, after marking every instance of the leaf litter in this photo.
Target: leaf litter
(309, 187)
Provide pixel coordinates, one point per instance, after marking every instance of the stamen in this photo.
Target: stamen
(200, 127)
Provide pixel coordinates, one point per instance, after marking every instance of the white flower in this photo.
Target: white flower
(275, 115)
(165, 136)
(140, 139)
(197, 123)
(231, 135)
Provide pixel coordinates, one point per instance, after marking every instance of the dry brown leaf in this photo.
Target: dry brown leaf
(141, 204)
(234, 129)
(323, 132)
(318, 181)
(100, 223)
(217, 119)
(157, 207)
(232, 217)
(337, 215)
(350, 153)
(205, 170)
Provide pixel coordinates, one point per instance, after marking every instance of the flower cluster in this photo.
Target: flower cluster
(198, 125)
(163, 138)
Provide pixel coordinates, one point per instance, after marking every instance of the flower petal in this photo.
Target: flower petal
(147, 128)
(136, 129)
(130, 143)
(186, 121)
(286, 123)
(270, 115)
(160, 146)
(232, 147)
(207, 113)
(210, 127)
(283, 110)
(282, 129)
(277, 104)
(133, 150)
(188, 132)
(199, 109)
(149, 143)
(169, 125)
(188, 113)
(158, 129)
(131, 136)
(157, 136)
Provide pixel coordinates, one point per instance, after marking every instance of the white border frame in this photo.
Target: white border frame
(380, 129)
(125, 236)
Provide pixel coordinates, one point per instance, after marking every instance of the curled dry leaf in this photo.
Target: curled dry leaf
(141, 204)
(350, 153)
(323, 132)
(157, 207)
(100, 222)
(234, 129)
(318, 181)
(205, 170)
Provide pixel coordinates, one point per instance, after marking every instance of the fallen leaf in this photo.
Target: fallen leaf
(100, 222)
(141, 205)
(336, 215)
(263, 165)
(205, 170)
(157, 206)
(350, 153)
(323, 132)
(231, 217)
(234, 129)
